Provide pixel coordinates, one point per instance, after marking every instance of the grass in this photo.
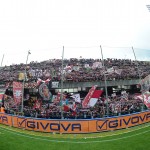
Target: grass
(136, 138)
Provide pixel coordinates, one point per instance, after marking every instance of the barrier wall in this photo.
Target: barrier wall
(76, 126)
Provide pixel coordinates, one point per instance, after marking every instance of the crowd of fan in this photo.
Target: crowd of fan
(115, 106)
(77, 70)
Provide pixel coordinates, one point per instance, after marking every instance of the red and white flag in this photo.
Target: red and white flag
(37, 104)
(17, 92)
(88, 97)
(147, 100)
(47, 80)
(39, 81)
(146, 97)
(94, 98)
(74, 106)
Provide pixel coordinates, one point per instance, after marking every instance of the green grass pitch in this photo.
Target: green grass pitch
(135, 138)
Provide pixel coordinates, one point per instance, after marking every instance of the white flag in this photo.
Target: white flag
(76, 98)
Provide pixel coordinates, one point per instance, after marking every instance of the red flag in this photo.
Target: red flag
(66, 108)
(97, 93)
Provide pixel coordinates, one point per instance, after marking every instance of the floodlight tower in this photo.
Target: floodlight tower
(148, 7)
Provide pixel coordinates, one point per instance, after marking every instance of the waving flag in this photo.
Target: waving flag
(88, 97)
(147, 100)
(146, 97)
(74, 106)
(76, 97)
(94, 98)
(145, 84)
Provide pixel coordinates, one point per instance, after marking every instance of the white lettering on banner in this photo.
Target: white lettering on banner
(55, 84)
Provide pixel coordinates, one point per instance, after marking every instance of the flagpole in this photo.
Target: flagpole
(2, 60)
(61, 96)
(24, 79)
(139, 75)
(105, 80)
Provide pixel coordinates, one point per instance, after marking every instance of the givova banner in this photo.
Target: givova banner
(75, 125)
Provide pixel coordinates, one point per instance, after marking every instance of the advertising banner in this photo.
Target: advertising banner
(76, 126)
(5, 119)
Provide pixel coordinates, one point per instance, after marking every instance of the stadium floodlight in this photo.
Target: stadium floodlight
(139, 74)
(2, 60)
(24, 79)
(105, 81)
(148, 7)
(61, 96)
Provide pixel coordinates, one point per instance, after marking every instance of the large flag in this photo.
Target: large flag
(88, 97)
(44, 91)
(146, 98)
(76, 98)
(17, 92)
(94, 98)
(39, 81)
(145, 84)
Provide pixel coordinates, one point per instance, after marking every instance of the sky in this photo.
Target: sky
(81, 26)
